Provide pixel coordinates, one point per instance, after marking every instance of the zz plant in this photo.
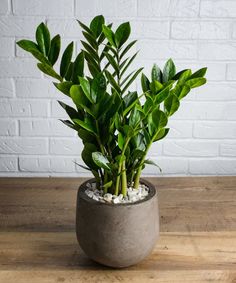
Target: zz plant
(117, 126)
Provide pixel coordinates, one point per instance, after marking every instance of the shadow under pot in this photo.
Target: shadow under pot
(117, 235)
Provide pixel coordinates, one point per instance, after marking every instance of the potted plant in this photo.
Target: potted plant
(117, 212)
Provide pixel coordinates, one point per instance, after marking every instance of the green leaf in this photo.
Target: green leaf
(159, 119)
(72, 113)
(84, 27)
(161, 134)
(192, 83)
(150, 162)
(145, 83)
(87, 152)
(68, 124)
(171, 104)
(131, 80)
(177, 76)
(27, 45)
(64, 87)
(168, 71)
(184, 76)
(79, 98)
(85, 85)
(121, 141)
(69, 72)
(109, 35)
(100, 160)
(48, 70)
(112, 62)
(91, 39)
(156, 73)
(130, 98)
(90, 50)
(66, 59)
(162, 95)
(184, 91)
(107, 185)
(78, 68)
(98, 87)
(92, 63)
(128, 64)
(96, 25)
(112, 81)
(127, 48)
(54, 49)
(122, 34)
(86, 136)
(87, 126)
(199, 73)
(43, 38)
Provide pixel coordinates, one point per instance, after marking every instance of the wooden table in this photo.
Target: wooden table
(197, 243)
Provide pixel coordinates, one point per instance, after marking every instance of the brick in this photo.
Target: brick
(174, 165)
(215, 130)
(154, 49)
(34, 88)
(6, 88)
(118, 8)
(23, 146)
(200, 30)
(7, 47)
(4, 7)
(150, 29)
(43, 7)
(190, 148)
(23, 108)
(46, 164)
(217, 91)
(45, 128)
(179, 129)
(217, 50)
(212, 166)
(231, 72)
(19, 68)
(83, 9)
(200, 110)
(8, 163)
(8, 127)
(168, 8)
(65, 146)
(155, 150)
(65, 27)
(218, 9)
(228, 149)
(18, 26)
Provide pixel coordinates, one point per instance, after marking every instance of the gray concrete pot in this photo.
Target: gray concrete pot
(117, 235)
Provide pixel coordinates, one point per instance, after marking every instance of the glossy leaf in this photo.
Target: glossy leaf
(171, 104)
(168, 71)
(156, 73)
(96, 25)
(66, 59)
(64, 87)
(27, 45)
(48, 70)
(85, 85)
(122, 34)
(127, 48)
(100, 160)
(54, 49)
(131, 80)
(112, 81)
(78, 67)
(43, 38)
(199, 73)
(109, 35)
(192, 83)
(145, 83)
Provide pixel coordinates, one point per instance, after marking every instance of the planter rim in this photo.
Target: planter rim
(85, 197)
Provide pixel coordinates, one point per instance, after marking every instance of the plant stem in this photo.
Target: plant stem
(124, 180)
(120, 168)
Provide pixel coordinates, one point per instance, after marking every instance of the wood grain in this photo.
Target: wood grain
(197, 242)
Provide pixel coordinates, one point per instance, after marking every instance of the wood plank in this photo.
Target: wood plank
(186, 204)
(178, 257)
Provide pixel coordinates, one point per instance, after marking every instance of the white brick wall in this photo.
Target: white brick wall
(195, 33)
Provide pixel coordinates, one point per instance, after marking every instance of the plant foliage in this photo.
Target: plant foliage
(117, 126)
